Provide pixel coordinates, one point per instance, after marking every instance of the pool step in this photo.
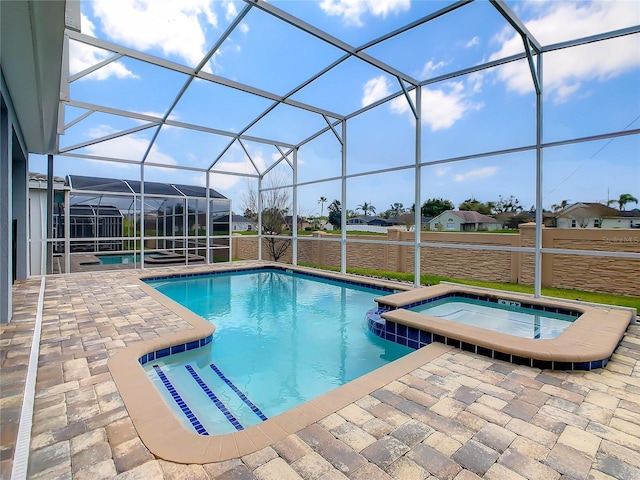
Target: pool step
(235, 389)
(197, 426)
(221, 406)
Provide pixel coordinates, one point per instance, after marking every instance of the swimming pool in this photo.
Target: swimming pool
(502, 317)
(281, 339)
(118, 259)
(537, 332)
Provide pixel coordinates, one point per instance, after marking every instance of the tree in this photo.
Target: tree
(249, 200)
(250, 214)
(394, 210)
(473, 205)
(366, 207)
(626, 198)
(435, 206)
(322, 202)
(335, 214)
(510, 204)
(556, 207)
(275, 205)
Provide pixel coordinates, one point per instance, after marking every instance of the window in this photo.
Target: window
(573, 224)
(596, 223)
(450, 224)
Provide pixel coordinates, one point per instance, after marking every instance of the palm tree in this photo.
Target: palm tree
(626, 198)
(396, 209)
(367, 207)
(321, 202)
(560, 206)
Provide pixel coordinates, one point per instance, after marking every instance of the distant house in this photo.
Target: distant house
(371, 220)
(513, 220)
(239, 222)
(303, 223)
(596, 215)
(463, 221)
(624, 219)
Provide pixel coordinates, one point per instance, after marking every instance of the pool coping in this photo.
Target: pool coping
(166, 436)
(592, 337)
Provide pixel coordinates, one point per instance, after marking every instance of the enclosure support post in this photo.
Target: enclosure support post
(207, 223)
(343, 216)
(537, 288)
(67, 231)
(49, 214)
(417, 210)
(260, 218)
(230, 230)
(141, 219)
(294, 217)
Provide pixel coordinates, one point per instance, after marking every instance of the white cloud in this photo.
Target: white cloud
(566, 70)
(351, 11)
(244, 28)
(441, 107)
(375, 89)
(442, 171)
(82, 56)
(172, 26)
(477, 173)
(473, 42)
(236, 161)
(230, 10)
(430, 68)
(131, 147)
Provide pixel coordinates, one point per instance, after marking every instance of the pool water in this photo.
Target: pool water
(281, 339)
(519, 321)
(118, 259)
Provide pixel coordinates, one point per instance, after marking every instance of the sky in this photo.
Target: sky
(588, 90)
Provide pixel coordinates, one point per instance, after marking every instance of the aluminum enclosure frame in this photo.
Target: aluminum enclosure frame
(533, 53)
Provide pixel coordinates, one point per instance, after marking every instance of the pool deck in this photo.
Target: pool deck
(457, 416)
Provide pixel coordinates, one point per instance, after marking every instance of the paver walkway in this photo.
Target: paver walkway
(461, 416)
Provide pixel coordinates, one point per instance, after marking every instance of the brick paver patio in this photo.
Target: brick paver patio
(461, 416)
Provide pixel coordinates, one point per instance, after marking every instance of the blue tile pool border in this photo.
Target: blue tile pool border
(417, 338)
(179, 348)
(484, 298)
(273, 268)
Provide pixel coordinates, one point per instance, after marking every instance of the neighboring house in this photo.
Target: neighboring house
(364, 220)
(303, 223)
(407, 220)
(400, 220)
(596, 215)
(463, 221)
(239, 222)
(513, 220)
(623, 219)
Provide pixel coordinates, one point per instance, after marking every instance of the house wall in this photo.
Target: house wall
(621, 222)
(443, 220)
(600, 274)
(491, 226)
(244, 226)
(565, 222)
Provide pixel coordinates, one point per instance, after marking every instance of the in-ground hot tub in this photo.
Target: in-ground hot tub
(579, 336)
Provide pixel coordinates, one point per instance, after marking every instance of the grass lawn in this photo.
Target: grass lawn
(310, 232)
(593, 297)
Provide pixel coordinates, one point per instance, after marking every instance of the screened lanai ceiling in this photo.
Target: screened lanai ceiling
(231, 78)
